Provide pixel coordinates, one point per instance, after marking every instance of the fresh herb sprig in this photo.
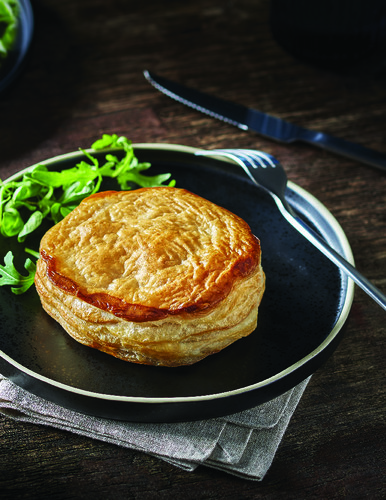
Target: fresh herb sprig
(43, 194)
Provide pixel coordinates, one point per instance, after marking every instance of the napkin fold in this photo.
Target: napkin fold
(243, 444)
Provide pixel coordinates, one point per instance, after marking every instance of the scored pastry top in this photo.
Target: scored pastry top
(149, 253)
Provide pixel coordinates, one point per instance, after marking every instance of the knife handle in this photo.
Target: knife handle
(344, 148)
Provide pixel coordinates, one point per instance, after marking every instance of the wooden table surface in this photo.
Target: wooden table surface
(83, 77)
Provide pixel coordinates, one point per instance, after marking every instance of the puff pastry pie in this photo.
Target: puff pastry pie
(156, 276)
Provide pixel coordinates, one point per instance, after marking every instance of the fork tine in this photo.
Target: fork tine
(250, 160)
(257, 156)
(264, 159)
(252, 156)
(238, 155)
(243, 155)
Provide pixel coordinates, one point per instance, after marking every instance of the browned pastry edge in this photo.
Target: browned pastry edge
(170, 342)
(242, 268)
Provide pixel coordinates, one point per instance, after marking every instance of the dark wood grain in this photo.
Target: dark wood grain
(84, 77)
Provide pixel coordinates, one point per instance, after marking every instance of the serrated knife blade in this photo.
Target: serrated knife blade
(263, 123)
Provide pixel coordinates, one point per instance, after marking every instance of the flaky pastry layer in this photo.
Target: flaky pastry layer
(156, 276)
(174, 341)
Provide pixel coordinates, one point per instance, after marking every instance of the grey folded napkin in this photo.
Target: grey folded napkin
(243, 444)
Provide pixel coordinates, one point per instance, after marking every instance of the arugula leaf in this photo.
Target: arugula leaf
(9, 11)
(10, 276)
(32, 223)
(112, 141)
(43, 194)
(12, 223)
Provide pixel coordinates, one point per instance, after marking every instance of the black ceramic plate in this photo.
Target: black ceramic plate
(301, 317)
(12, 65)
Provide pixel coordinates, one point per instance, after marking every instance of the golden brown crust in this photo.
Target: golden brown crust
(149, 253)
(156, 276)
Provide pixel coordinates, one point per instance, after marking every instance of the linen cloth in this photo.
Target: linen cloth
(243, 444)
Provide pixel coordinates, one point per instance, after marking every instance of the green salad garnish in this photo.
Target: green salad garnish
(42, 194)
(10, 276)
(9, 11)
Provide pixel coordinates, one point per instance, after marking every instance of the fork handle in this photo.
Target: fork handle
(336, 258)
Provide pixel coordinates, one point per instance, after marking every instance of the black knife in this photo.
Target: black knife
(263, 123)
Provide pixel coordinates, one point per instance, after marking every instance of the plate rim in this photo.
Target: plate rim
(345, 309)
